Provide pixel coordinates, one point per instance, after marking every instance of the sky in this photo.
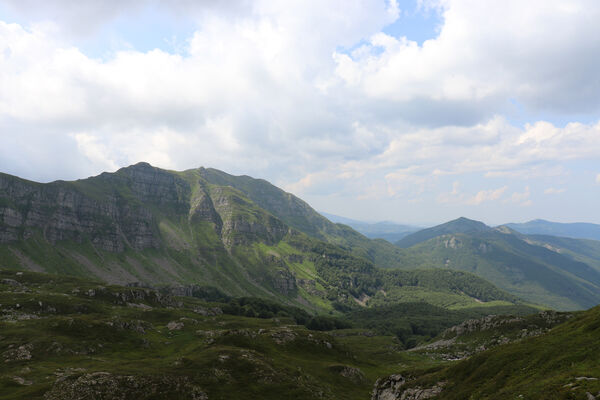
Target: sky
(413, 111)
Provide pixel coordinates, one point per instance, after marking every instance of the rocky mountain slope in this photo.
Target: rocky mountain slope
(241, 235)
(528, 267)
(560, 364)
(476, 335)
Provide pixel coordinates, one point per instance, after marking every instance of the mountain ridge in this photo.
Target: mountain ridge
(576, 230)
(557, 272)
(202, 226)
(459, 225)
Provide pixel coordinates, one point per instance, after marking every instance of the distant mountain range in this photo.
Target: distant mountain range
(578, 230)
(390, 231)
(562, 273)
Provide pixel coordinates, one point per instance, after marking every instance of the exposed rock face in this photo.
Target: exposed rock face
(284, 282)
(477, 335)
(103, 385)
(453, 243)
(393, 388)
(485, 323)
(351, 373)
(175, 326)
(139, 208)
(549, 319)
(21, 353)
(130, 296)
(243, 223)
(61, 211)
(203, 209)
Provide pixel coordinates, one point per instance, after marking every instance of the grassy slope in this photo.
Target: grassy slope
(584, 250)
(299, 215)
(543, 367)
(531, 272)
(70, 332)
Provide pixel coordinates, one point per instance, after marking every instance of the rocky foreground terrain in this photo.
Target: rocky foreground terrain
(64, 338)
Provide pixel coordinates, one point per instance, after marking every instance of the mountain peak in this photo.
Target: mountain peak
(459, 225)
(465, 223)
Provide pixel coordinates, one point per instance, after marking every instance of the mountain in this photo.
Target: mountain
(390, 231)
(560, 364)
(578, 230)
(460, 225)
(245, 237)
(526, 267)
(584, 250)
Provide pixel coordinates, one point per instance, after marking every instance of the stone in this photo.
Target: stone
(104, 385)
(175, 326)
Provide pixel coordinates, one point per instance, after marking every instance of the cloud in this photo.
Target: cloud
(521, 198)
(598, 178)
(456, 196)
(310, 95)
(487, 195)
(552, 190)
(488, 52)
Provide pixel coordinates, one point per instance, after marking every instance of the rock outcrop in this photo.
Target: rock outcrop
(104, 385)
(69, 211)
(394, 387)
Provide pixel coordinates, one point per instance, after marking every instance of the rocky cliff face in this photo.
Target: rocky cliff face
(119, 210)
(394, 388)
(142, 208)
(60, 211)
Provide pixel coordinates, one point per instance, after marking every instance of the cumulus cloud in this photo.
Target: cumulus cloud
(311, 95)
(488, 52)
(487, 195)
(521, 198)
(456, 196)
(552, 190)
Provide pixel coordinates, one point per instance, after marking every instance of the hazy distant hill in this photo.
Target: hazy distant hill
(390, 231)
(525, 266)
(584, 250)
(579, 230)
(460, 225)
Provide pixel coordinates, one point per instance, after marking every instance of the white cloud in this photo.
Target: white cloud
(290, 92)
(491, 51)
(487, 195)
(521, 198)
(598, 178)
(95, 152)
(552, 190)
(456, 196)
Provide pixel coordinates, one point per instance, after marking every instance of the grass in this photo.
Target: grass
(562, 364)
(227, 356)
